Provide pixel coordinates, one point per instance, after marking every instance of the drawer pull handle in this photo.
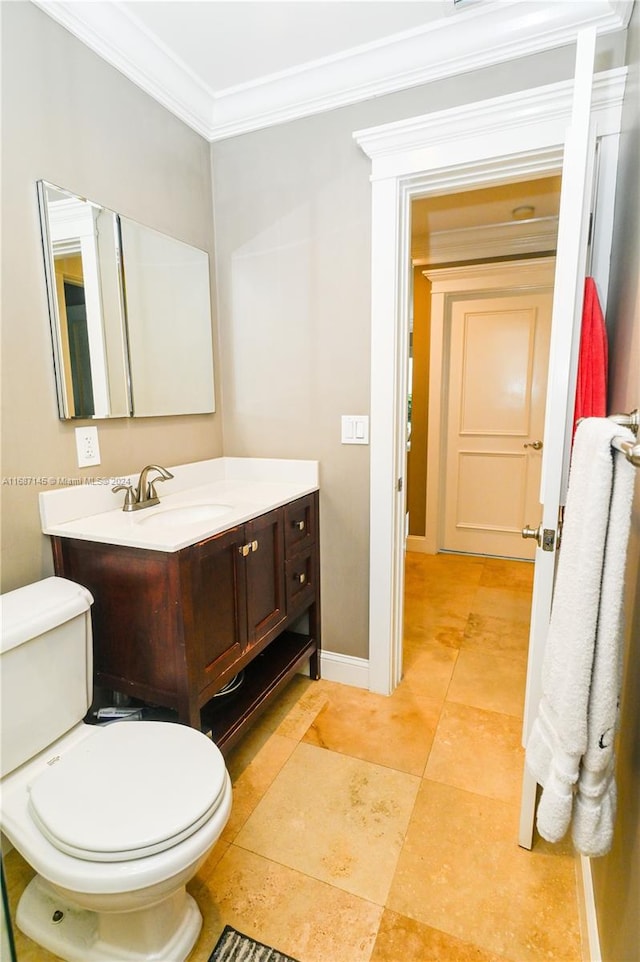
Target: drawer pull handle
(301, 578)
(299, 525)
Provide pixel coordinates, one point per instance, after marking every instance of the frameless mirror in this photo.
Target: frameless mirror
(130, 313)
(168, 313)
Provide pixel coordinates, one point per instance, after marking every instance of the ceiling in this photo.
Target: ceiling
(230, 43)
(230, 66)
(508, 219)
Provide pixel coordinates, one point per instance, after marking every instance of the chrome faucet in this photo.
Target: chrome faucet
(145, 494)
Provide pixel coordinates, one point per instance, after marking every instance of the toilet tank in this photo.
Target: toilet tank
(46, 666)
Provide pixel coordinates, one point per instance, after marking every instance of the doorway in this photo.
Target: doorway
(473, 465)
(479, 356)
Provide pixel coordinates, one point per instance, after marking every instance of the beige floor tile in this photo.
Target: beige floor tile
(305, 918)
(490, 680)
(423, 619)
(418, 635)
(253, 765)
(479, 751)
(511, 603)
(444, 568)
(400, 938)
(394, 731)
(488, 633)
(461, 872)
(295, 708)
(502, 573)
(334, 817)
(428, 668)
(297, 721)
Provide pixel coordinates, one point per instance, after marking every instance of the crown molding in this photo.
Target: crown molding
(451, 280)
(119, 38)
(463, 41)
(494, 240)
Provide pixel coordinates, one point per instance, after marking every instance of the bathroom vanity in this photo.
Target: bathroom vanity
(219, 578)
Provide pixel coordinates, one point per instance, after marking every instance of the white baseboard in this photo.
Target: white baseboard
(587, 908)
(417, 542)
(345, 669)
(420, 543)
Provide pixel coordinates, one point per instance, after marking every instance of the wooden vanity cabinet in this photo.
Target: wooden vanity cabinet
(172, 628)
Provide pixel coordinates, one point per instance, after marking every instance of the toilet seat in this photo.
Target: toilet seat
(131, 790)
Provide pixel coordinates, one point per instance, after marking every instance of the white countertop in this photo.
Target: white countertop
(235, 489)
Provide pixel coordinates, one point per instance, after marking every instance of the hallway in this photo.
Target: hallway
(375, 829)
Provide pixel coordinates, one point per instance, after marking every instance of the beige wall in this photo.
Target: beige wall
(417, 458)
(69, 118)
(617, 875)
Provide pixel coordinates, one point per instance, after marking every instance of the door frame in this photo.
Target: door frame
(515, 137)
(506, 277)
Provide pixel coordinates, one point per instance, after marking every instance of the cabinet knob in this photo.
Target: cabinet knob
(244, 550)
(299, 525)
(254, 545)
(300, 578)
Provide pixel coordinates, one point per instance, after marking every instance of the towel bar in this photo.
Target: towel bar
(631, 451)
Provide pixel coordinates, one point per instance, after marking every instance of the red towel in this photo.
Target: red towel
(591, 386)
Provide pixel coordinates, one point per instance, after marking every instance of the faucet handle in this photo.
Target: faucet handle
(129, 498)
(151, 490)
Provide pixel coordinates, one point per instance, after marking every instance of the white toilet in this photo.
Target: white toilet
(116, 819)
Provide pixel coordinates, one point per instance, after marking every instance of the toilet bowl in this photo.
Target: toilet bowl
(115, 820)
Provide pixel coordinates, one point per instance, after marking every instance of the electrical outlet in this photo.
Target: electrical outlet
(87, 446)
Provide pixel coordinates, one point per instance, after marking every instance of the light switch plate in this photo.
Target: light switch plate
(87, 446)
(355, 428)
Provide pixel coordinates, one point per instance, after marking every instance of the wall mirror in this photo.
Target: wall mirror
(130, 313)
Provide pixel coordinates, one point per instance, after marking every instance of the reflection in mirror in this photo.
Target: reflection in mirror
(168, 310)
(130, 313)
(82, 263)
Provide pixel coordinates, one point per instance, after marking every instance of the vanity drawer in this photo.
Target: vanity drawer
(299, 524)
(300, 579)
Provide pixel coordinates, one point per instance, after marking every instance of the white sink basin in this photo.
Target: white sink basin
(185, 514)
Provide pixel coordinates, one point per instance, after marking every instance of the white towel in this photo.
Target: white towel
(595, 801)
(581, 668)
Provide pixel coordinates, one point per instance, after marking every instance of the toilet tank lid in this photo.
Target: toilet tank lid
(28, 612)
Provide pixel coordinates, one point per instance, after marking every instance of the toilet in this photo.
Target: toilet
(114, 819)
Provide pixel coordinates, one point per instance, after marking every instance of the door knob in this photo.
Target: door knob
(535, 533)
(536, 445)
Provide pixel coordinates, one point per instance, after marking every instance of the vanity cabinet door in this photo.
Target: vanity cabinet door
(301, 572)
(300, 523)
(265, 575)
(215, 615)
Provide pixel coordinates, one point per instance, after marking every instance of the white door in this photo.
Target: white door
(498, 358)
(571, 256)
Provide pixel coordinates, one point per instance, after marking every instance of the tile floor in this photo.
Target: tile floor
(374, 829)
